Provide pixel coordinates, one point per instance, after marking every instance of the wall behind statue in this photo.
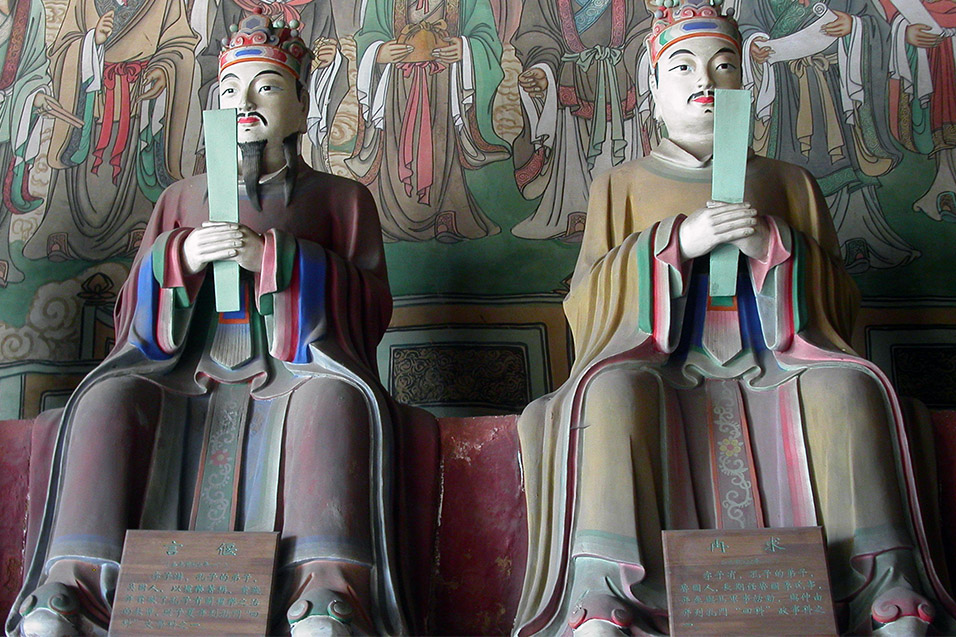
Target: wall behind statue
(479, 156)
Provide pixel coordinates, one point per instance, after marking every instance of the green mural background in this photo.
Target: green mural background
(482, 260)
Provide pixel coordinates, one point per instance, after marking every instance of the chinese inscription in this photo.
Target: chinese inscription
(742, 582)
(194, 583)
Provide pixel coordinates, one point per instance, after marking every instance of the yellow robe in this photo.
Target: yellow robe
(593, 469)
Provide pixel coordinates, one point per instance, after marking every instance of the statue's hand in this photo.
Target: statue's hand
(393, 52)
(717, 223)
(757, 244)
(103, 28)
(535, 81)
(218, 241)
(919, 36)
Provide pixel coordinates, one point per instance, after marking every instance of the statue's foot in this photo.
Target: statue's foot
(52, 610)
(600, 615)
(901, 611)
(320, 613)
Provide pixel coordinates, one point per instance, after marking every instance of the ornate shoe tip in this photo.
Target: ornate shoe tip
(926, 612)
(298, 610)
(28, 604)
(621, 617)
(341, 610)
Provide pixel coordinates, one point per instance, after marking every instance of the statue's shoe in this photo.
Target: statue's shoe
(52, 610)
(600, 615)
(320, 613)
(901, 611)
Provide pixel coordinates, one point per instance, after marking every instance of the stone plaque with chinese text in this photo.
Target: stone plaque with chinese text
(194, 583)
(748, 582)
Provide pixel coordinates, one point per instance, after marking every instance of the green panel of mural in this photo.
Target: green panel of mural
(477, 124)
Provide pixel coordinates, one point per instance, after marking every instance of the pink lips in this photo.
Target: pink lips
(704, 99)
(248, 120)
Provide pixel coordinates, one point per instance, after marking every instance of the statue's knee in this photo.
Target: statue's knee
(116, 404)
(621, 393)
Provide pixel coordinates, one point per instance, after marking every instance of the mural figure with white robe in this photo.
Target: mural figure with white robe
(279, 401)
(818, 71)
(689, 411)
(125, 70)
(923, 95)
(579, 97)
(428, 72)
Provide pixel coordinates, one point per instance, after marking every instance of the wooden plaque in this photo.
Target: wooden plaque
(748, 582)
(194, 583)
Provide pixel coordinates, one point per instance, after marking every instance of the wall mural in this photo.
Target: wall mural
(478, 125)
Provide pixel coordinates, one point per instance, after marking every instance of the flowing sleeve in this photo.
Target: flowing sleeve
(627, 286)
(808, 293)
(155, 305)
(310, 295)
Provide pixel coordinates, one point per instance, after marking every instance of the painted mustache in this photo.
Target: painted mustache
(251, 117)
(704, 97)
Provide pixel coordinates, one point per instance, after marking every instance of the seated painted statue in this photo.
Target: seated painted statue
(682, 413)
(299, 428)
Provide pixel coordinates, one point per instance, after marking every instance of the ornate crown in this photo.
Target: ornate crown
(258, 38)
(676, 20)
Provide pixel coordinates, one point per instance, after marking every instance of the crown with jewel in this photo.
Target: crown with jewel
(258, 39)
(676, 20)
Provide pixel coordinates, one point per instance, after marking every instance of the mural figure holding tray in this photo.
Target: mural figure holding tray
(269, 418)
(687, 409)
(427, 75)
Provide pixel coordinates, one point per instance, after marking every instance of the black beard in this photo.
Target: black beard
(251, 165)
(290, 150)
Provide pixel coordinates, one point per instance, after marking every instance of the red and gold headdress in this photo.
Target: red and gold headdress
(257, 38)
(676, 20)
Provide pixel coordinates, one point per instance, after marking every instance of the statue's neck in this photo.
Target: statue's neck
(701, 147)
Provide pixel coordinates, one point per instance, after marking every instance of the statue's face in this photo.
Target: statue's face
(268, 104)
(687, 75)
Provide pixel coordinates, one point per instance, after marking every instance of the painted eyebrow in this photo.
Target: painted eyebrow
(229, 76)
(268, 72)
(679, 52)
(726, 49)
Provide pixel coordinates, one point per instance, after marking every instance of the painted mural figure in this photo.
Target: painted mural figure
(428, 72)
(24, 97)
(823, 106)
(676, 398)
(328, 81)
(124, 69)
(923, 100)
(579, 99)
(279, 400)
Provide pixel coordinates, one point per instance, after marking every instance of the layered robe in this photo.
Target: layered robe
(326, 86)
(278, 404)
(24, 73)
(669, 386)
(111, 170)
(425, 127)
(827, 113)
(585, 123)
(923, 102)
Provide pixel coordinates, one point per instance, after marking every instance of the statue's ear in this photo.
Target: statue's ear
(304, 98)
